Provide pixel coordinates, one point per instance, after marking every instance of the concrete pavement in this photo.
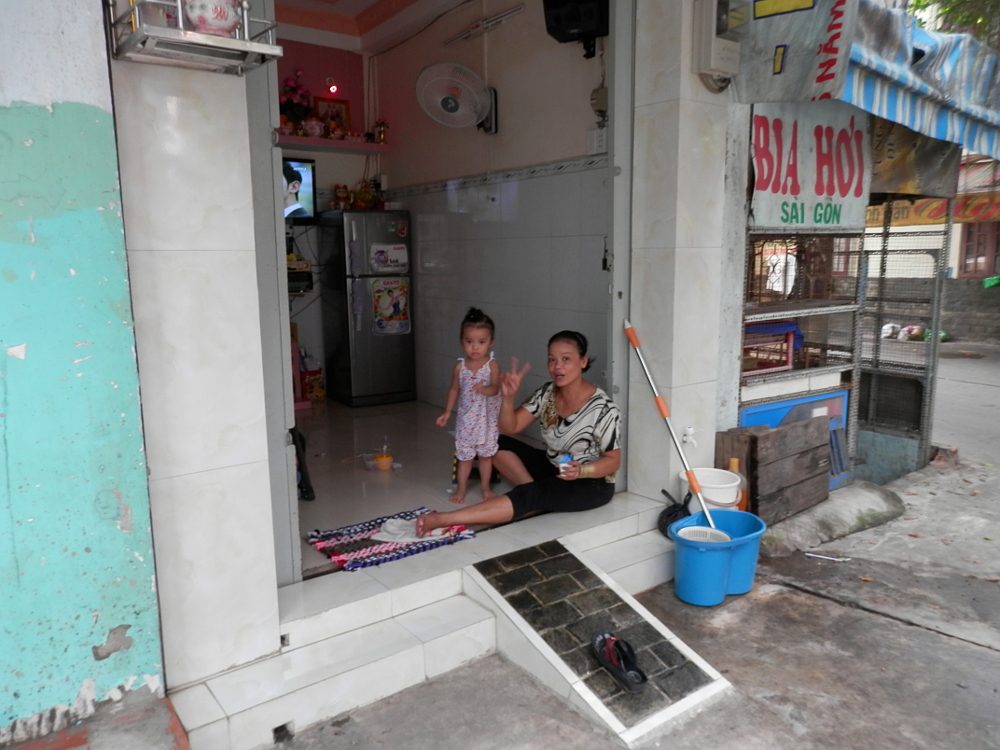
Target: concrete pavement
(967, 400)
(897, 648)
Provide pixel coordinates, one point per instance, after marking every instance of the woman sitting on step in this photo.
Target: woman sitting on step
(576, 418)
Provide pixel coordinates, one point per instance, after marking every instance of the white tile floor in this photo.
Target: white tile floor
(347, 493)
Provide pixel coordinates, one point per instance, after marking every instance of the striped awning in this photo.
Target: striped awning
(945, 86)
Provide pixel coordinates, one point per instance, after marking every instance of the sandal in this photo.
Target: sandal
(618, 657)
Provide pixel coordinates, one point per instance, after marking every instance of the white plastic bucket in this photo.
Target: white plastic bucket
(720, 488)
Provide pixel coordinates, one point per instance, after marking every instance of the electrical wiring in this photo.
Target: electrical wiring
(421, 31)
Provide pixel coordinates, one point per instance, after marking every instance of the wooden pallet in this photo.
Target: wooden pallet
(787, 468)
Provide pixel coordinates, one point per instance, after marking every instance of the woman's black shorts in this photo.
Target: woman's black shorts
(548, 492)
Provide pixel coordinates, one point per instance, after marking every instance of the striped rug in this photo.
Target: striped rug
(352, 548)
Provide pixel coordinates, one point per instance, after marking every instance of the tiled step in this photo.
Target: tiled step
(327, 606)
(636, 563)
(550, 599)
(241, 710)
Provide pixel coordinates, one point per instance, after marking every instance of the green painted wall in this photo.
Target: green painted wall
(76, 560)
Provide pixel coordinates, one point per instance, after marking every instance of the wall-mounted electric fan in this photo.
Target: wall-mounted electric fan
(455, 96)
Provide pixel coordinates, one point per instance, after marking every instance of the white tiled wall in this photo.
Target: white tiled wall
(528, 252)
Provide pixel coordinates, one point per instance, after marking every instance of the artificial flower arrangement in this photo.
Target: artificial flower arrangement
(294, 102)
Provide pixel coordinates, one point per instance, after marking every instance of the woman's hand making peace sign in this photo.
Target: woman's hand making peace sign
(511, 381)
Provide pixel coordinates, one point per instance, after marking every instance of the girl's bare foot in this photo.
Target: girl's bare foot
(458, 498)
(488, 493)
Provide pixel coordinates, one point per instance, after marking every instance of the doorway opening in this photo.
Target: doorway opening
(462, 255)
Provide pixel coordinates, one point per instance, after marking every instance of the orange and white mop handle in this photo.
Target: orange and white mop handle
(633, 339)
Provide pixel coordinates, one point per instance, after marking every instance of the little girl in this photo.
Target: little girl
(475, 382)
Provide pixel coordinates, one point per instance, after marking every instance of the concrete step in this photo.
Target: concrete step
(250, 707)
(636, 563)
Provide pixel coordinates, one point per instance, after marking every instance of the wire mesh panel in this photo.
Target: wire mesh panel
(900, 306)
(767, 352)
(799, 303)
(898, 404)
(801, 270)
(827, 340)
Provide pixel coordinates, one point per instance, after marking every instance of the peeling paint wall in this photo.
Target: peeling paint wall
(79, 621)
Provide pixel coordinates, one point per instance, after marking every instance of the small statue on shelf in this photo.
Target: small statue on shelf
(380, 127)
(341, 197)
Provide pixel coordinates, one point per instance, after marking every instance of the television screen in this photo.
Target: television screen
(298, 180)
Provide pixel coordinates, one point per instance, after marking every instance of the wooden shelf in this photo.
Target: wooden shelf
(330, 145)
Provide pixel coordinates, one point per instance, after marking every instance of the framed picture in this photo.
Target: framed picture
(337, 110)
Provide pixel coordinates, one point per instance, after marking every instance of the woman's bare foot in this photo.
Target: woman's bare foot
(458, 498)
(427, 522)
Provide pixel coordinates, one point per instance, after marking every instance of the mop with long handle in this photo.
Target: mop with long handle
(633, 339)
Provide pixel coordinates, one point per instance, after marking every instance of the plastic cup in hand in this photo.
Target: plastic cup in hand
(564, 460)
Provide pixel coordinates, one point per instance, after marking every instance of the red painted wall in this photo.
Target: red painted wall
(319, 63)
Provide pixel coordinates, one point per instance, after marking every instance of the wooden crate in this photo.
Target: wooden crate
(787, 468)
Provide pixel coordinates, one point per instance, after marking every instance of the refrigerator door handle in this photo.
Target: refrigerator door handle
(357, 302)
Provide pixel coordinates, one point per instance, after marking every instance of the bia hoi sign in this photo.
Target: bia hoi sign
(811, 167)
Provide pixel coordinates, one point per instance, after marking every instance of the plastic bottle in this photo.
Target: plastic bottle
(744, 501)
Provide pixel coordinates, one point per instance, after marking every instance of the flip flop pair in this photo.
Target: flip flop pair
(618, 657)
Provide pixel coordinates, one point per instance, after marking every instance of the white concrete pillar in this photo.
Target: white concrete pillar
(677, 234)
(188, 209)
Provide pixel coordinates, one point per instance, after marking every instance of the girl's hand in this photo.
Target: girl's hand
(442, 421)
(511, 381)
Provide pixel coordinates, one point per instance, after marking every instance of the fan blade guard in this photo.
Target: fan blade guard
(453, 95)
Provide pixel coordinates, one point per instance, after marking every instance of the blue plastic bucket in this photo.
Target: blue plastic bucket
(705, 572)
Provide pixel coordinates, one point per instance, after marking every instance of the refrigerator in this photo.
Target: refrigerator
(367, 301)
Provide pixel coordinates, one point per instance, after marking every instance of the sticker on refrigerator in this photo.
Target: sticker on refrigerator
(392, 305)
(389, 258)
(402, 228)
